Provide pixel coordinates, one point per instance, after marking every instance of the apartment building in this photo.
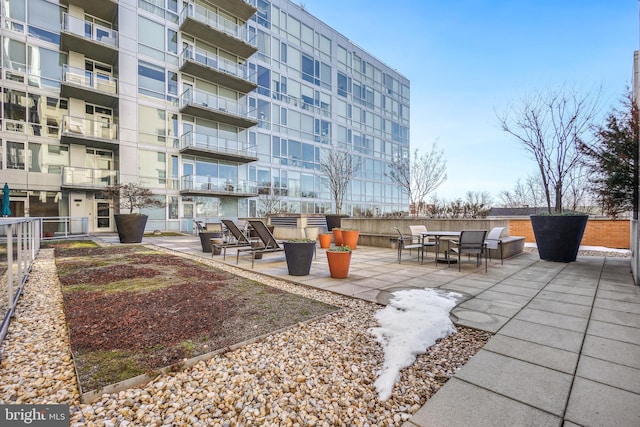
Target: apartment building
(224, 108)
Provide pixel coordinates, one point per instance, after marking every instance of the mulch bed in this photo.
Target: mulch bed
(132, 310)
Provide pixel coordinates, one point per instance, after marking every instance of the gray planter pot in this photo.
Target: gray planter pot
(130, 227)
(558, 237)
(299, 256)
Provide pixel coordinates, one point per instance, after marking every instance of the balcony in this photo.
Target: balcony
(218, 148)
(92, 87)
(240, 8)
(91, 179)
(212, 28)
(103, 9)
(212, 186)
(211, 67)
(95, 41)
(92, 133)
(213, 107)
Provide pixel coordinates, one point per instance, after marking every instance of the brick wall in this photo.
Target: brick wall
(609, 233)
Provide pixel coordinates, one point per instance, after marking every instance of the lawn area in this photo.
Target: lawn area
(132, 310)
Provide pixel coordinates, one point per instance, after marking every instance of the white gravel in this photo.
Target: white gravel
(318, 373)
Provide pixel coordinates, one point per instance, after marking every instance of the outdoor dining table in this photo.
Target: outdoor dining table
(438, 236)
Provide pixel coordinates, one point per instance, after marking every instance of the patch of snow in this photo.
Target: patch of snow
(412, 322)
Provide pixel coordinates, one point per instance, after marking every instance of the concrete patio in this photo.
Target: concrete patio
(566, 349)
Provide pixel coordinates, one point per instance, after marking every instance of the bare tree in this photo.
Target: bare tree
(550, 125)
(477, 204)
(339, 168)
(420, 177)
(269, 200)
(132, 196)
(523, 194)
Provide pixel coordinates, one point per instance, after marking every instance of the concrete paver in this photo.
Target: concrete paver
(566, 349)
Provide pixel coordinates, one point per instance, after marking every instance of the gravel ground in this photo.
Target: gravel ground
(318, 373)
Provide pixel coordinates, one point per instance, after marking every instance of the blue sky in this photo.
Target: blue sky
(468, 59)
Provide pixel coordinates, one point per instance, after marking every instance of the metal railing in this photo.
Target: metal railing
(86, 128)
(88, 178)
(90, 30)
(216, 62)
(89, 79)
(19, 245)
(215, 144)
(212, 19)
(214, 102)
(200, 183)
(63, 227)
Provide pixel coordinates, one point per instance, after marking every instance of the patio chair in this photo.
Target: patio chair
(417, 231)
(240, 239)
(408, 242)
(201, 228)
(494, 241)
(471, 242)
(269, 243)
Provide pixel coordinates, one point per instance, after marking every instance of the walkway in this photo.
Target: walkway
(566, 349)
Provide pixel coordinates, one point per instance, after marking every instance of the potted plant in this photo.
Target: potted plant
(551, 126)
(299, 255)
(325, 240)
(337, 236)
(339, 167)
(131, 196)
(350, 237)
(339, 259)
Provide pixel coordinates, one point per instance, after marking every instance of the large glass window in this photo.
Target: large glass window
(44, 20)
(151, 37)
(152, 167)
(152, 125)
(151, 80)
(45, 158)
(45, 67)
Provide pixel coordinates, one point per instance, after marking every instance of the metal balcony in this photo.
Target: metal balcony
(103, 9)
(92, 87)
(218, 148)
(85, 178)
(213, 107)
(92, 133)
(212, 28)
(240, 8)
(211, 67)
(94, 41)
(196, 185)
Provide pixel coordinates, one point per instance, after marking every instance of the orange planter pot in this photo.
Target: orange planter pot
(337, 236)
(339, 263)
(325, 240)
(350, 238)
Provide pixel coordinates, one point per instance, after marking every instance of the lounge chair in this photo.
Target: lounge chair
(269, 243)
(240, 239)
(494, 241)
(471, 242)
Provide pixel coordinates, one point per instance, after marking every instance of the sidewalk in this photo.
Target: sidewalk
(566, 349)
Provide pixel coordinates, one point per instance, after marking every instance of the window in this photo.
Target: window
(151, 36)
(44, 20)
(15, 155)
(151, 80)
(151, 125)
(344, 86)
(46, 158)
(45, 67)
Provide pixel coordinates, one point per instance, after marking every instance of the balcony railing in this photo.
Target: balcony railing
(78, 127)
(214, 144)
(89, 30)
(211, 101)
(215, 185)
(89, 80)
(88, 178)
(216, 62)
(212, 19)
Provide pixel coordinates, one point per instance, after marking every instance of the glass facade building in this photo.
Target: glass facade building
(224, 108)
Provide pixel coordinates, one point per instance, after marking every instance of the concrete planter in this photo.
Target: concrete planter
(130, 227)
(558, 237)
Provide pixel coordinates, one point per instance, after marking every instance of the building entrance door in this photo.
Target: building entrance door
(102, 216)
